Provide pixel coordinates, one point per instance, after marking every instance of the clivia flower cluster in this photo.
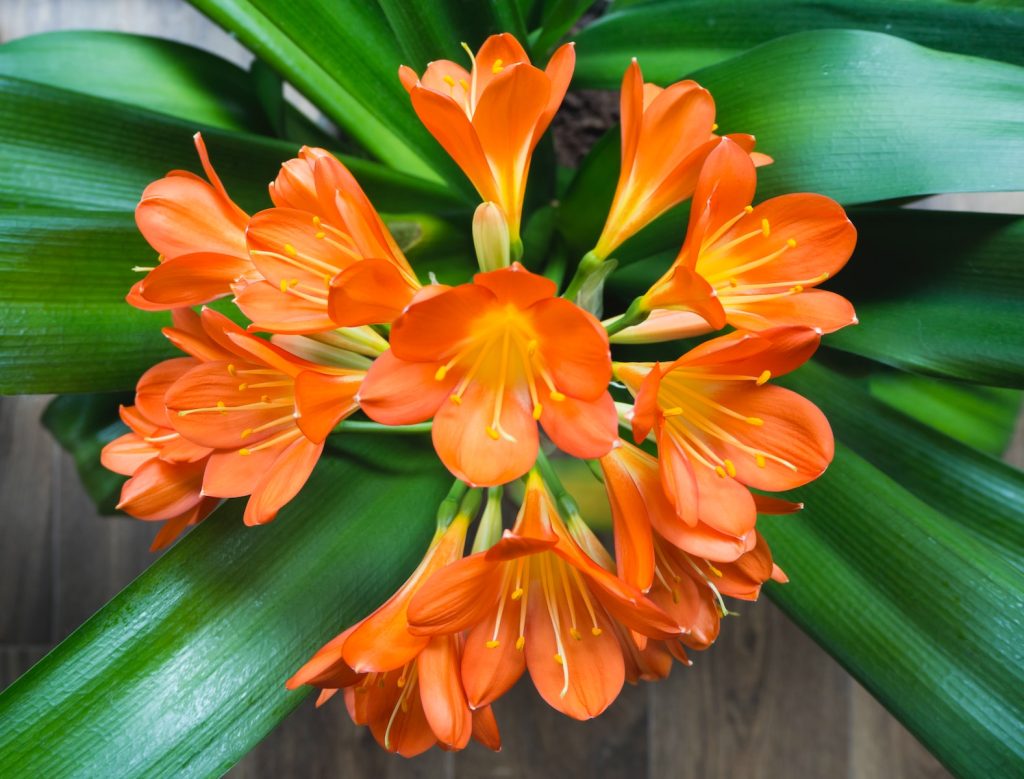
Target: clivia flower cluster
(501, 369)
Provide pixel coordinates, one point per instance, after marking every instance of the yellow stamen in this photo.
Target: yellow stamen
(520, 643)
(492, 644)
(496, 67)
(765, 228)
(765, 375)
(290, 250)
(730, 468)
(557, 396)
(449, 81)
(759, 459)
(720, 471)
(755, 421)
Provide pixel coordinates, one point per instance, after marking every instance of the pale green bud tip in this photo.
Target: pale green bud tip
(491, 237)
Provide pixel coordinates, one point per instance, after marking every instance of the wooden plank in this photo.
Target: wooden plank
(26, 523)
(765, 701)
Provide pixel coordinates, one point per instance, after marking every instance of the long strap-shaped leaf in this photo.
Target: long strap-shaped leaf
(183, 672)
(857, 116)
(674, 37)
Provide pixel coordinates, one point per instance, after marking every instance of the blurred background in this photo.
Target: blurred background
(765, 702)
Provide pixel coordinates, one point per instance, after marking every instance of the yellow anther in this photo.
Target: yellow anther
(791, 243)
(231, 368)
(517, 593)
(748, 209)
(222, 405)
(496, 67)
(264, 398)
(492, 432)
(672, 412)
(733, 283)
(316, 221)
(755, 421)
(538, 409)
(245, 433)
(531, 347)
(492, 644)
(463, 83)
(766, 230)
(559, 660)
(730, 468)
(797, 289)
(596, 631)
(720, 471)
(520, 643)
(290, 250)
(712, 568)
(440, 373)
(243, 387)
(321, 234)
(675, 595)
(759, 459)
(244, 452)
(401, 682)
(714, 127)
(456, 399)
(575, 634)
(160, 258)
(284, 285)
(557, 396)
(449, 81)
(765, 375)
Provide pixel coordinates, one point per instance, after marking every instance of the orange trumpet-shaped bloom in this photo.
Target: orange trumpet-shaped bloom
(199, 233)
(166, 469)
(406, 688)
(537, 600)
(264, 411)
(490, 118)
(325, 257)
(752, 267)
(721, 428)
(666, 136)
(487, 361)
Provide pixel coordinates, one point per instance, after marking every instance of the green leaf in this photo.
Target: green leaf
(558, 18)
(976, 492)
(344, 57)
(69, 150)
(929, 619)
(982, 417)
(83, 425)
(853, 115)
(675, 37)
(183, 672)
(915, 273)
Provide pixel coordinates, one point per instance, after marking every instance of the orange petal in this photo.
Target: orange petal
(634, 544)
(501, 50)
(723, 502)
(517, 286)
(230, 474)
(463, 436)
(489, 670)
(322, 401)
(683, 288)
(191, 279)
(778, 351)
(182, 214)
(456, 597)
(581, 428)
(434, 330)
(574, 347)
(768, 504)
(160, 490)
(287, 476)
(326, 667)
(678, 477)
(396, 392)
(291, 246)
(813, 308)
(559, 72)
(441, 693)
(794, 430)
(275, 311)
(485, 729)
(447, 122)
(153, 385)
(126, 453)
(175, 526)
(370, 292)
(593, 664)
(189, 335)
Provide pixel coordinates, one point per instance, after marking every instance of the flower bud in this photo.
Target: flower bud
(491, 238)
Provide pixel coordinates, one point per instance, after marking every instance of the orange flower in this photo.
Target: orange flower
(490, 119)
(720, 428)
(325, 257)
(406, 688)
(166, 469)
(537, 600)
(487, 361)
(265, 411)
(752, 267)
(666, 136)
(199, 233)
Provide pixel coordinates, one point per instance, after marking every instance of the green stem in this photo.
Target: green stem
(635, 314)
(588, 265)
(356, 426)
(566, 503)
(449, 507)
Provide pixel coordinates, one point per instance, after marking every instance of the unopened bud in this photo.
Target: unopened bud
(490, 237)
